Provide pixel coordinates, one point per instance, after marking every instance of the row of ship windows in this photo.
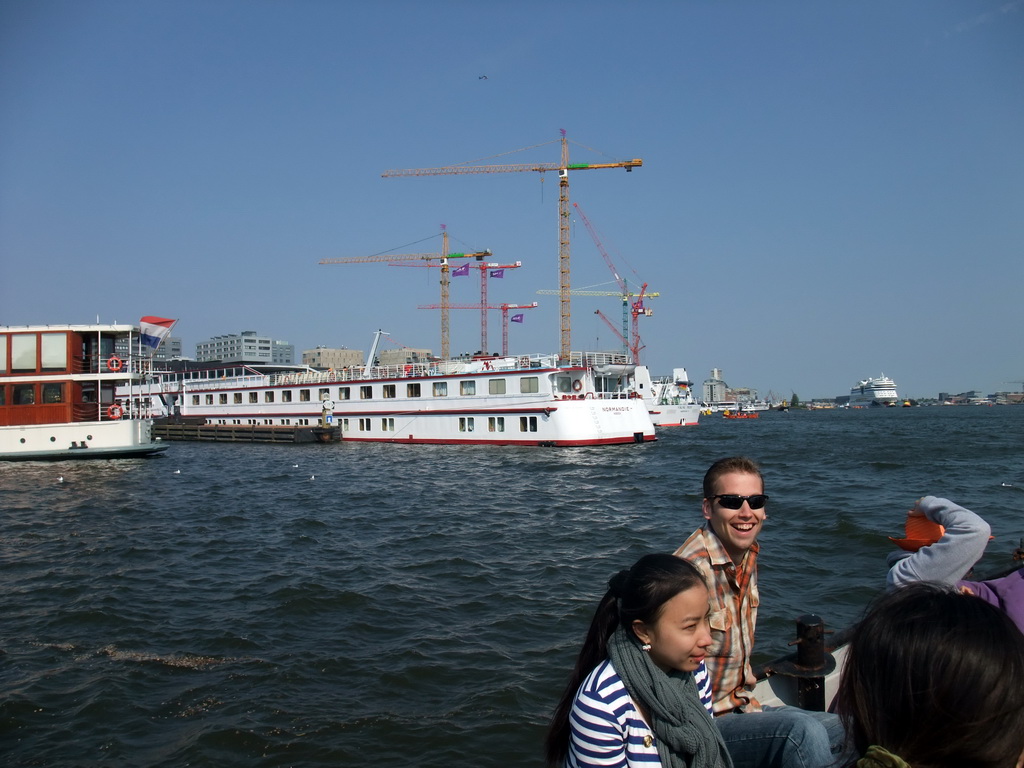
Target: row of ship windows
(387, 424)
(527, 385)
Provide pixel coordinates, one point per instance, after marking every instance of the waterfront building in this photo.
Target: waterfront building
(170, 349)
(715, 388)
(403, 356)
(326, 358)
(246, 347)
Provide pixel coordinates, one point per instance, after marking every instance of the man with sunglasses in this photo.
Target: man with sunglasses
(725, 550)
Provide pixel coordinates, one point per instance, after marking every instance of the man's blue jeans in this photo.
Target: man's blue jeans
(782, 737)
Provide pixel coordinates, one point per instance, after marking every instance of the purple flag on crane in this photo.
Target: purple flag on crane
(497, 273)
(461, 271)
(517, 318)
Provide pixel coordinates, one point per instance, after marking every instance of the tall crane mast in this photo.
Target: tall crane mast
(443, 257)
(563, 167)
(638, 310)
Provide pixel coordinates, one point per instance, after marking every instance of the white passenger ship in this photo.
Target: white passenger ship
(591, 399)
(670, 402)
(58, 393)
(880, 391)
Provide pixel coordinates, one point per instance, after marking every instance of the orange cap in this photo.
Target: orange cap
(920, 532)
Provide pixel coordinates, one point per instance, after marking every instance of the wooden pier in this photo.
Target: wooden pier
(244, 433)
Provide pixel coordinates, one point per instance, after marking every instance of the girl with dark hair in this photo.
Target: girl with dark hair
(632, 699)
(934, 678)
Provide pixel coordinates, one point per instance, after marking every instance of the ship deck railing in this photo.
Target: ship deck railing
(508, 364)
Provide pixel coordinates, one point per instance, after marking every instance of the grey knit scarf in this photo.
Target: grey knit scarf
(687, 738)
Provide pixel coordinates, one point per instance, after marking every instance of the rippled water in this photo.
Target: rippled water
(415, 605)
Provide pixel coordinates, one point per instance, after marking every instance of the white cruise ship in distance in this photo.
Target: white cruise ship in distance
(880, 391)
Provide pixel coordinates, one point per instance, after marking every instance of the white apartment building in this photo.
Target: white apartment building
(246, 347)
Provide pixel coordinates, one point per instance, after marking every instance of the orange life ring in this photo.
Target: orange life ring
(577, 385)
(114, 363)
(115, 411)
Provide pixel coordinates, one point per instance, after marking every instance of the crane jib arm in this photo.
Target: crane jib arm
(514, 168)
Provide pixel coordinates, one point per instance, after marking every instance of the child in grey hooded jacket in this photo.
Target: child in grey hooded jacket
(947, 559)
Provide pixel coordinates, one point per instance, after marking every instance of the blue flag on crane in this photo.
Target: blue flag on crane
(517, 318)
(461, 271)
(497, 273)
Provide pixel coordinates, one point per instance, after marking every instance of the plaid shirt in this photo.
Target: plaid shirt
(734, 601)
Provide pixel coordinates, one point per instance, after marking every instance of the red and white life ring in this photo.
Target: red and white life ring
(114, 363)
(577, 385)
(115, 411)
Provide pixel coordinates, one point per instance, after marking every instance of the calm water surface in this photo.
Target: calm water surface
(352, 604)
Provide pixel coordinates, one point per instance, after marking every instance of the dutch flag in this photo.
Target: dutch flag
(155, 330)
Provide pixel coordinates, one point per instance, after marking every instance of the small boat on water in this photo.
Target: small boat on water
(590, 399)
(880, 391)
(740, 414)
(58, 393)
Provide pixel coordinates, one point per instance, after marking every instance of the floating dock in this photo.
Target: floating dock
(244, 433)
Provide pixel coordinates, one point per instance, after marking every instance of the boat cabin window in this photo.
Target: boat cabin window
(563, 384)
(325, 394)
(223, 398)
(366, 392)
(23, 353)
(495, 423)
(24, 394)
(54, 347)
(527, 423)
(440, 389)
(412, 390)
(3, 395)
(344, 393)
(304, 395)
(286, 395)
(529, 384)
(195, 399)
(466, 423)
(467, 387)
(238, 398)
(388, 391)
(209, 399)
(496, 386)
(3, 354)
(268, 396)
(387, 424)
(254, 397)
(53, 393)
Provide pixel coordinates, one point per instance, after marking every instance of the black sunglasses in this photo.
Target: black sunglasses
(733, 501)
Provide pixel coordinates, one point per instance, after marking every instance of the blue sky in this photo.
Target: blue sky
(830, 190)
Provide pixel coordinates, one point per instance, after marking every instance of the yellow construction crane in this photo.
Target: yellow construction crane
(443, 257)
(563, 167)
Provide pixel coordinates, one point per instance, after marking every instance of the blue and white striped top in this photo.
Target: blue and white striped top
(606, 727)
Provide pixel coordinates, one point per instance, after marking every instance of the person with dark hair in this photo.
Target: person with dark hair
(632, 699)
(934, 677)
(942, 544)
(725, 550)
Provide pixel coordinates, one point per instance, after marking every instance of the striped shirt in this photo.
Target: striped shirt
(734, 600)
(606, 727)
